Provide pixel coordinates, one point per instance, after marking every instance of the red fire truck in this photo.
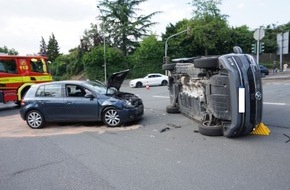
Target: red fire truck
(18, 73)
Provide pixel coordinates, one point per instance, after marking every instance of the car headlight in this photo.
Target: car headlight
(128, 104)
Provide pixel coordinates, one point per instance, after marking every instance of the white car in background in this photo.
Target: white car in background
(153, 79)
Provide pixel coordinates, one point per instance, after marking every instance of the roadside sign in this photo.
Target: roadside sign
(259, 33)
(283, 43)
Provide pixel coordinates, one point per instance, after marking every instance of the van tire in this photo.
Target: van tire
(206, 63)
(210, 130)
(169, 67)
(172, 109)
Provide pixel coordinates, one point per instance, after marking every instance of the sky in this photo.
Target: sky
(24, 23)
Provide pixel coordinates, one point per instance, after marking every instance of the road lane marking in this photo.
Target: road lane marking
(160, 96)
(272, 103)
(268, 103)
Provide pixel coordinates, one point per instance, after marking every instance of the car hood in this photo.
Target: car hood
(137, 79)
(117, 79)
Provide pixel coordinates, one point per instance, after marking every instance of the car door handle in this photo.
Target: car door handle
(69, 102)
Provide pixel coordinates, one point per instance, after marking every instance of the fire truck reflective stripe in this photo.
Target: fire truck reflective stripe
(9, 80)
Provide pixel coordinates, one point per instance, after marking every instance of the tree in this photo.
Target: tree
(121, 22)
(203, 8)
(182, 45)
(240, 36)
(91, 38)
(59, 67)
(94, 62)
(8, 51)
(210, 26)
(270, 39)
(52, 48)
(43, 47)
(147, 58)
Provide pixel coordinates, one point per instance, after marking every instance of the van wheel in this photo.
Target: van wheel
(172, 109)
(206, 63)
(169, 67)
(210, 129)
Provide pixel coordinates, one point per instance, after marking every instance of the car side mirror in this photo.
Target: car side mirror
(91, 96)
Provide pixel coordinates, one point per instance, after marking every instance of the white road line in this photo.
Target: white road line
(272, 103)
(161, 96)
(268, 103)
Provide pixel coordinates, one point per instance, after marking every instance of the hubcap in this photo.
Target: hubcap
(34, 119)
(112, 118)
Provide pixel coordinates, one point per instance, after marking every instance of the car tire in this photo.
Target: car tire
(206, 63)
(172, 109)
(35, 119)
(139, 84)
(164, 83)
(210, 130)
(169, 67)
(111, 117)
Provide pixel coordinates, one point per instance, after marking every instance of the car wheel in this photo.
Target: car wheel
(111, 117)
(172, 109)
(169, 67)
(206, 63)
(209, 129)
(164, 83)
(35, 119)
(139, 84)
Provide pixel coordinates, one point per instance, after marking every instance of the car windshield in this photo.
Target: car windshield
(100, 88)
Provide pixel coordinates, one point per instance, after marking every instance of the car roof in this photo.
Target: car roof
(62, 82)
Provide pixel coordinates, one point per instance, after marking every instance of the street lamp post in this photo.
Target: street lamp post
(104, 37)
(166, 59)
(105, 63)
(166, 42)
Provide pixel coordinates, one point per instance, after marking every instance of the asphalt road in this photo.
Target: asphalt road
(139, 156)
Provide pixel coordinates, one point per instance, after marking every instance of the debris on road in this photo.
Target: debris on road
(164, 129)
(173, 125)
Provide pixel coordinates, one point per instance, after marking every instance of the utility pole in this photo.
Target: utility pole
(283, 44)
(104, 37)
(166, 42)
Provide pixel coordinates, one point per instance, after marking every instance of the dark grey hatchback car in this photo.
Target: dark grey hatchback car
(81, 101)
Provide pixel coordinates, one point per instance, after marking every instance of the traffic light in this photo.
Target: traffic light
(254, 48)
(262, 47)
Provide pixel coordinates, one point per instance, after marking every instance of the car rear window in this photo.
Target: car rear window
(49, 90)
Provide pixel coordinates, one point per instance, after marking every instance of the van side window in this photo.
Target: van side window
(8, 66)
